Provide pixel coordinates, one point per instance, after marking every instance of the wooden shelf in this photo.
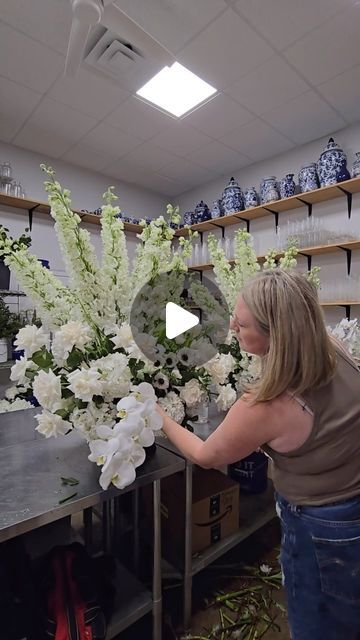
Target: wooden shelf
(352, 245)
(341, 303)
(43, 207)
(278, 206)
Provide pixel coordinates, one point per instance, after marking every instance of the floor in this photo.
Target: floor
(261, 549)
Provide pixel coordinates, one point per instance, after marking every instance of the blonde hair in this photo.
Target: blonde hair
(301, 356)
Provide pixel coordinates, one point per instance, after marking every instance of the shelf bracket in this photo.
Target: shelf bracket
(276, 214)
(30, 212)
(348, 258)
(308, 204)
(347, 308)
(218, 226)
(349, 196)
(201, 233)
(309, 259)
(245, 220)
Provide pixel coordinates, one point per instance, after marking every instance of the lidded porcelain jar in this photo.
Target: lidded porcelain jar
(233, 198)
(331, 163)
(201, 212)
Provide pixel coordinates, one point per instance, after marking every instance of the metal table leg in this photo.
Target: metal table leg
(188, 546)
(88, 530)
(106, 527)
(135, 498)
(157, 595)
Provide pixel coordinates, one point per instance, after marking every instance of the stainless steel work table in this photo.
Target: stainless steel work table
(30, 490)
(255, 511)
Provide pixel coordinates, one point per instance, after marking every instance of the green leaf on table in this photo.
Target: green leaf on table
(69, 481)
(68, 498)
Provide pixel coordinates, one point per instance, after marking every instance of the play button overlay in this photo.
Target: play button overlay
(178, 320)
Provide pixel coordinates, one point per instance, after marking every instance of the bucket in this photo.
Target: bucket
(4, 275)
(251, 472)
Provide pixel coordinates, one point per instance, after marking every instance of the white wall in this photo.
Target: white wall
(86, 188)
(333, 213)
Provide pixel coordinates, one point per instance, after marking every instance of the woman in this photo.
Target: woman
(305, 413)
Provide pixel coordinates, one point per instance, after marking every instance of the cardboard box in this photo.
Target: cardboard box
(215, 511)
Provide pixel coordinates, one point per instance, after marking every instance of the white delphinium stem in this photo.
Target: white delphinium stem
(53, 301)
(246, 264)
(224, 274)
(78, 252)
(115, 261)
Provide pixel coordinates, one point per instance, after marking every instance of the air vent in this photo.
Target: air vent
(119, 59)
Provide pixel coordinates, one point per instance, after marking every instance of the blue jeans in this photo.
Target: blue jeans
(320, 559)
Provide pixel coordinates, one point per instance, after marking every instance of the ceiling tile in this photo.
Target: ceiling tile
(48, 22)
(84, 156)
(217, 157)
(282, 22)
(225, 51)
(257, 140)
(218, 116)
(138, 118)
(185, 170)
(306, 118)
(343, 93)
(172, 22)
(53, 128)
(328, 50)
(111, 141)
(16, 105)
(27, 62)
(149, 156)
(180, 139)
(89, 93)
(268, 86)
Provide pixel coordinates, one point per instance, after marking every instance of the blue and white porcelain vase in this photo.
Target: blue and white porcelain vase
(355, 171)
(251, 198)
(233, 198)
(308, 178)
(331, 163)
(217, 210)
(287, 186)
(201, 212)
(269, 190)
(343, 173)
(188, 217)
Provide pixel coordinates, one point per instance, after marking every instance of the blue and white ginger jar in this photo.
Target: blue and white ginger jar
(331, 164)
(287, 186)
(233, 198)
(188, 217)
(308, 178)
(251, 198)
(217, 209)
(201, 212)
(269, 190)
(355, 171)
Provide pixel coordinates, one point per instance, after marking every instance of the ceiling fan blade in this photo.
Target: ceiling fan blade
(119, 23)
(78, 37)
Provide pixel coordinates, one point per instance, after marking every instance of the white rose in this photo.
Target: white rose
(192, 393)
(123, 337)
(11, 393)
(72, 334)
(31, 339)
(226, 398)
(50, 424)
(85, 383)
(47, 390)
(18, 370)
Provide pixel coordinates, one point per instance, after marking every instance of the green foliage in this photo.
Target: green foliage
(10, 323)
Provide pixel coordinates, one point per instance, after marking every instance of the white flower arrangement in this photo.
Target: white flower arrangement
(348, 332)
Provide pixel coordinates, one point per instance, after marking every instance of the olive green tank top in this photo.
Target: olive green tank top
(326, 468)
